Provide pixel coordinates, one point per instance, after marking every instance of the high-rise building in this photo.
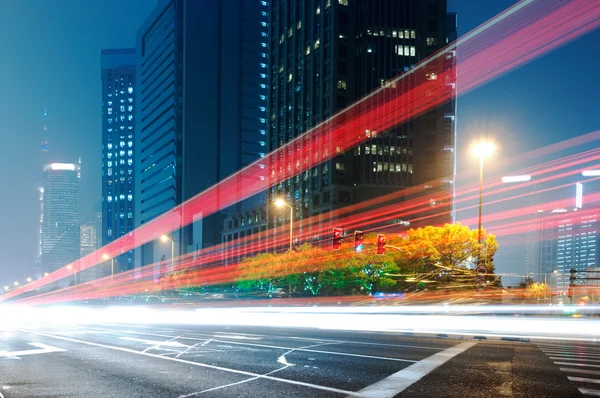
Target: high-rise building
(326, 54)
(60, 224)
(570, 238)
(87, 239)
(118, 129)
(87, 246)
(45, 149)
(202, 109)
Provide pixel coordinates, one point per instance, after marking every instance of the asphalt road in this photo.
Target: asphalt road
(113, 360)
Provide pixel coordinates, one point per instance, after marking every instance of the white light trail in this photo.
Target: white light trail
(509, 179)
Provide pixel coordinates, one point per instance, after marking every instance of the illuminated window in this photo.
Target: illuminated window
(130, 117)
(327, 4)
(110, 111)
(341, 85)
(130, 90)
(308, 49)
(343, 2)
(413, 51)
(109, 163)
(130, 153)
(130, 108)
(130, 197)
(413, 34)
(431, 41)
(109, 146)
(318, 10)
(129, 162)
(122, 108)
(317, 43)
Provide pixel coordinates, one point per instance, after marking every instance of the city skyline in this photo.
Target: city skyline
(471, 108)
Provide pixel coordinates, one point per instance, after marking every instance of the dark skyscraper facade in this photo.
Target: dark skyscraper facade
(327, 54)
(118, 129)
(60, 224)
(202, 73)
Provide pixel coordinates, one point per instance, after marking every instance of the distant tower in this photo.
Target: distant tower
(45, 148)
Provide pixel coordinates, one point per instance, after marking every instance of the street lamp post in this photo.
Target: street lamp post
(166, 238)
(482, 150)
(74, 274)
(281, 203)
(555, 272)
(112, 266)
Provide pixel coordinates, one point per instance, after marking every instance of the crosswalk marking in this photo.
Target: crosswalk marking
(574, 359)
(580, 359)
(583, 380)
(590, 392)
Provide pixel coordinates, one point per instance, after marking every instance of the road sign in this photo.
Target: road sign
(481, 284)
(43, 349)
(481, 270)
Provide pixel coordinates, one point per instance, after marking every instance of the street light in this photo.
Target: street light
(16, 283)
(29, 279)
(167, 238)
(481, 149)
(281, 203)
(74, 274)
(112, 265)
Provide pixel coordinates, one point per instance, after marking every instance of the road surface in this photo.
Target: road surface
(120, 360)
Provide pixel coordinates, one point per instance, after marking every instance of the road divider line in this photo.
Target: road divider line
(274, 336)
(275, 347)
(399, 381)
(199, 364)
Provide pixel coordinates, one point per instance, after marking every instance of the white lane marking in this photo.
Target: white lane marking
(282, 359)
(399, 381)
(583, 371)
(156, 343)
(590, 392)
(231, 384)
(571, 351)
(587, 365)
(43, 349)
(199, 364)
(288, 337)
(273, 346)
(574, 359)
(237, 337)
(1, 396)
(583, 380)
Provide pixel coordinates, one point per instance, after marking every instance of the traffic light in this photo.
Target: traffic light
(380, 244)
(337, 238)
(572, 278)
(358, 241)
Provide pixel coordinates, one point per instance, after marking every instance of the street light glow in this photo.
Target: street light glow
(483, 149)
(509, 179)
(29, 279)
(105, 256)
(164, 238)
(280, 202)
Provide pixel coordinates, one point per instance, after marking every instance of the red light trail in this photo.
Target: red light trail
(516, 36)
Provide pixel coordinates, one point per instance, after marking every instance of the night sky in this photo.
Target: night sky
(51, 57)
